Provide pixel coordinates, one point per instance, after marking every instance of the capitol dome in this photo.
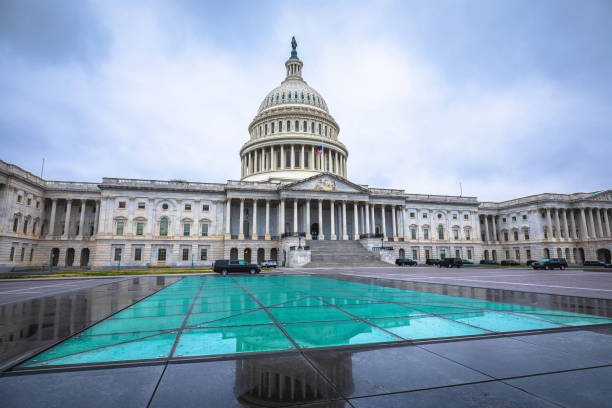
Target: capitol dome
(293, 136)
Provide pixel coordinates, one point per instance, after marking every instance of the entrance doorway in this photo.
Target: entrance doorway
(54, 256)
(427, 254)
(247, 255)
(70, 257)
(274, 254)
(234, 254)
(402, 253)
(314, 230)
(261, 254)
(603, 254)
(84, 257)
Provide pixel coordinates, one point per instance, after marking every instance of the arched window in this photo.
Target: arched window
(440, 232)
(302, 95)
(325, 131)
(266, 129)
(311, 127)
(289, 95)
(308, 97)
(163, 227)
(319, 128)
(288, 126)
(283, 96)
(272, 127)
(305, 128)
(297, 125)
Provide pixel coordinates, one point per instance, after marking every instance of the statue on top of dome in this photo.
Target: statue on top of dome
(293, 48)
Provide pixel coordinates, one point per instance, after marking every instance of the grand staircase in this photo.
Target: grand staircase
(341, 254)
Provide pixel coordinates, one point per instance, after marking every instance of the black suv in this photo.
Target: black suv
(550, 263)
(432, 261)
(509, 262)
(488, 262)
(405, 262)
(223, 266)
(451, 263)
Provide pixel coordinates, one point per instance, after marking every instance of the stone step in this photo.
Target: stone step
(338, 253)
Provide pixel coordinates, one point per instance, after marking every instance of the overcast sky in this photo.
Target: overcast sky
(509, 98)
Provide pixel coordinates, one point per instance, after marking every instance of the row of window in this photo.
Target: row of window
(273, 127)
(161, 254)
(29, 201)
(25, 226)
(294, 96)
(413, 233)
(142, 206)
(466, 217)
(163, 228)
(22, 254)
(515, 235)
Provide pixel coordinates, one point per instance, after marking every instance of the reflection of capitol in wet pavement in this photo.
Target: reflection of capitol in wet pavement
(278, 381)
(29, 326)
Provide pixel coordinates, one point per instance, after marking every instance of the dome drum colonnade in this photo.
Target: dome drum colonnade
(291, 125)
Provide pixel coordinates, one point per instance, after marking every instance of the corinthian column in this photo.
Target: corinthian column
(549, 224)
(367, 218)
(308, 236)
(344, 231)
(267, 234)
(241, 220)
(254, 236)
(67, 219)
(321, 236)
(333, 223)
(583, 225)
(356, 224)
(394, 222)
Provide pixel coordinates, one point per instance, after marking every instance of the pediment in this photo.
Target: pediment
(325, 183)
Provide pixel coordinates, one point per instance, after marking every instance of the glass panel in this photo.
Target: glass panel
(501, 322)
(379, 310)
(425, 327)
(324, 334)
(308, 314)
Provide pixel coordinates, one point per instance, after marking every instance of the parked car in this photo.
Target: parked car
(224, 266)
(510, 262)
(270, 263)
(601, 264)
(552, 263)
(450, 263)
(529, 262)
(432, 261)
(405, 262)
(467, 262)
(488, 262)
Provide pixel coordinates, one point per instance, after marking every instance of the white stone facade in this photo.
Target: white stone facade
(287, 194)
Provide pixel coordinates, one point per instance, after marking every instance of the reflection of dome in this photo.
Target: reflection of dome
(291, 125)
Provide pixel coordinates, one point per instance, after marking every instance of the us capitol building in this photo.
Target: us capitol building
(293, 192)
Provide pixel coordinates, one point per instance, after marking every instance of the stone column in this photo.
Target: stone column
(593, 234)
(228, 211)
(557, 224)
(344, 229)
(53, 212)
(241, 220)
(254, 236)
(332, 220)
(549, 224)
(329, 160)
(295, 215)
(606, 222)
(367, 218)
(97, 218)
(356, 216)
(67, 220)
(311, 163)
(384, 224)
(494, 222)
(394, 222)
(82, 219)
(292, 158)
(599, 223)
(321, 236)
(267, 235)
(572, 221)
(308, 236)
(302, 158)
(486, 224)
(373, 219)
(281, 217)
(583, 225)
(565, 226)
(282, 157)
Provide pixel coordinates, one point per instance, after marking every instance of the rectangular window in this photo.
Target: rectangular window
(38, 204)
(456, 234)
(442, 253)
(457, 254)
(15, 224)
(119, 227)
(411, 215)
(311, 127)
(205, 207)
(513, 219)
(454, 216)
(29, 201)
(526, 235)
(31, 254)
(440, 232)
(304, 127)
(272, 127)
(138, 254)
(424, 215)
(185, 254)
(412, 233)
(415, 254)
(139, 228)
(22, 254)
(161, 254)
(319, 128)
(186, 229)
(141, 205)
(19, 199)
(187, 207)
(288, 159)
(121, 204)
(266, 128)
(325, 130)
(306, 159)
(469, 253)
(203, 254)
(466, 217)
(280, 126)
(516, 235)
(507, 254)
(297, 157)
(204, 230)
(12, 255)
(426, 233)
(517, 254)
(524, 216)
(117, 254)
(504, 219)
(528, 253)
(505, 236)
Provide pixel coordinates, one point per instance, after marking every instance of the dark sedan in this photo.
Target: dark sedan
(405, 262)
(550, 263)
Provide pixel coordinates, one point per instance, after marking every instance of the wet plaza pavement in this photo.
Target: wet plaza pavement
(562, 367)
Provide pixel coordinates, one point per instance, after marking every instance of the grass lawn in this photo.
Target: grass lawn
(81, 274)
